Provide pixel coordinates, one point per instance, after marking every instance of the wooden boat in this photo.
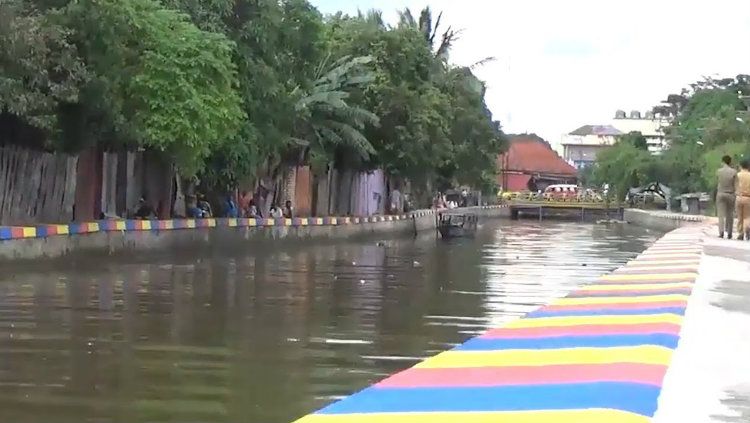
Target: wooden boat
(457, 225)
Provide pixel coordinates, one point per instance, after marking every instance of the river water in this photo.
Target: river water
(270, 335)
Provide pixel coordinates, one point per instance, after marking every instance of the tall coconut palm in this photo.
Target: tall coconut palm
(430, 31)
(326, 119)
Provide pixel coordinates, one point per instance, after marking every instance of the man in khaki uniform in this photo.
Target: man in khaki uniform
(743, 200)
(725, 196)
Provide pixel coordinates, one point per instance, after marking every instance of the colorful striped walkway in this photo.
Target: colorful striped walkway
(598, 355)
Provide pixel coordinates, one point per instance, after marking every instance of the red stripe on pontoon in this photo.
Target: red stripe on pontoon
(528, 375)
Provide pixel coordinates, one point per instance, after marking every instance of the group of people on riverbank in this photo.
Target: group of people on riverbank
(244, 207)
(198, 207)
(733, 195)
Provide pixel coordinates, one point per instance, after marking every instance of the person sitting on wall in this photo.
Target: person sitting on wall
(192, 209)
(287, 211)
(143, 210)
(252, 211)
(276, 212)
(230, 208)
(244, 204)
(204, 205)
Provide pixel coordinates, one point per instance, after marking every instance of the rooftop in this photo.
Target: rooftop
(532, 156)
(599, 130)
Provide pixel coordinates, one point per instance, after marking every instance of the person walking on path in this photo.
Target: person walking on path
(743, 200)
(725, 196)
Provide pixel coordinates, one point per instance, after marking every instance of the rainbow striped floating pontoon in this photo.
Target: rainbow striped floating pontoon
(598, 355)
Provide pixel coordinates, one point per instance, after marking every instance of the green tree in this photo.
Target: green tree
(623, 166)
(636, 139)
(326, 121)
(430, 29)
(279, 46)
(168, 85)
(476, 139)
(40, 71)
(435, 125)
(412, 138)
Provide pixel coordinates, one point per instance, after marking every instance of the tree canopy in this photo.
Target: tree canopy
(706, 124)
(235, 90)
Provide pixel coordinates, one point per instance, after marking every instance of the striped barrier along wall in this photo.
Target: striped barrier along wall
(43, 231)
(598, 355)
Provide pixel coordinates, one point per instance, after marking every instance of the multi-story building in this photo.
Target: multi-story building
(650, 126)
(581, 146)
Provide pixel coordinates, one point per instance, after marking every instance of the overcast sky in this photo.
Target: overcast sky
(563, 64)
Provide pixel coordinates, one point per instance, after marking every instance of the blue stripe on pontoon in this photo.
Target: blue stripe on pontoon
(631, 397)
(601, 341)
(614, 312)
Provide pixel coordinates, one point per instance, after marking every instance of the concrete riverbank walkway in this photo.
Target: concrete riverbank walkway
(598, 355)
(709, 379)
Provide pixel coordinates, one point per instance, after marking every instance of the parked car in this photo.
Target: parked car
(560, 192)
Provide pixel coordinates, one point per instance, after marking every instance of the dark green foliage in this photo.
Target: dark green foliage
(707, 124)
(239, 89)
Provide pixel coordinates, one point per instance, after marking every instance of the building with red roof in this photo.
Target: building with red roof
(531, 164)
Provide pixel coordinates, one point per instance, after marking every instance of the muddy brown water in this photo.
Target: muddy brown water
(267, 336)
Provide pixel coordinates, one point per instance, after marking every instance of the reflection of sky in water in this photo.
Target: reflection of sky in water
(268, 335)
(527, 265)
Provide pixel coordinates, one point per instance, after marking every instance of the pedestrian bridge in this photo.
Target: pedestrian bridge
(571, 208)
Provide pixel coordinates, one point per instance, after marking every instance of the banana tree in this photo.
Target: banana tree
(327, 119)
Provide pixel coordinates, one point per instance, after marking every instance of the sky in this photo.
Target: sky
(563, 64)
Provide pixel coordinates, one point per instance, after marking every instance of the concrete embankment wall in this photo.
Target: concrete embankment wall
(661, 220)
(124, 236)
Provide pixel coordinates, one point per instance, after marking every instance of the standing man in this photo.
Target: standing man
(743, 200)
(395, 201)
(725, 196)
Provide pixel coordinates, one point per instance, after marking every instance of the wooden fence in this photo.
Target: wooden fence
(36, 186)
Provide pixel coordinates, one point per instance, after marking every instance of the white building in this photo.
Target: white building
(647, 124)
(581, 146)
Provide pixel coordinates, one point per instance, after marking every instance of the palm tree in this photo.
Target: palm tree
(326, 121)
(430, 31)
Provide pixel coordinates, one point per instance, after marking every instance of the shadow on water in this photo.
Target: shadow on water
(269, 336)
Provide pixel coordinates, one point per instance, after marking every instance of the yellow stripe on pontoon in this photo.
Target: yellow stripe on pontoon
(644, 354)
(637, 287)
(638, 267)
(649, 277)
(654, 263)
(564, 321)
(678, 256)
(620, 300)
(551, 416)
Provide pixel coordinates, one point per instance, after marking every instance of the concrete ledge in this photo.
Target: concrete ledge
(598, 355)
(662, 220)
(115, 236)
